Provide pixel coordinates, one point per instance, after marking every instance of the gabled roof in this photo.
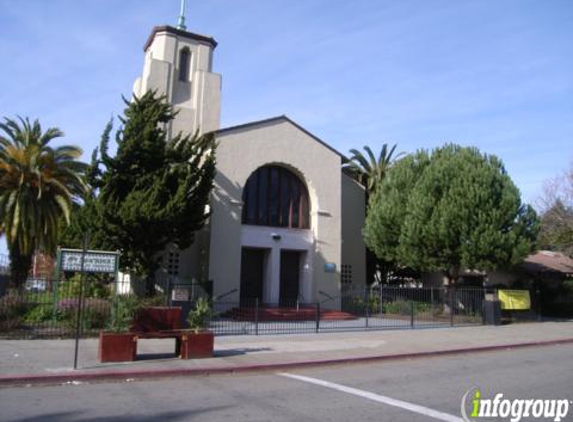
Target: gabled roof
(278, 119)
(548, 262)
(171, 30)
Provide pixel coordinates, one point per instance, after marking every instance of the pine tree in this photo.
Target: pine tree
(454, 209)
(153, 192)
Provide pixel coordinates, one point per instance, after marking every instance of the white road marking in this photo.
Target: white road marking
(377, 398)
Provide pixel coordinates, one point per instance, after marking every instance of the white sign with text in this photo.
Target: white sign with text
(94, 261)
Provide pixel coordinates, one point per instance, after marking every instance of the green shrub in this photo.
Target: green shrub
(373, 303)
(95, 312)
(92, 288)
(95, 318)
(398, 307)
(40, 313)
(151, 301)
(39, 297)
(421, 307)
(404, 307)
(124, 308)
(199, 317)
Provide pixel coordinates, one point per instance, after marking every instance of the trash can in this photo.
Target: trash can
(492, 309)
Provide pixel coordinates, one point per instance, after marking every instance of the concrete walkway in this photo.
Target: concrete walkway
(51, 361)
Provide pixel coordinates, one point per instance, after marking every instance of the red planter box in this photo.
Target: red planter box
(197, 345)
(117, 347)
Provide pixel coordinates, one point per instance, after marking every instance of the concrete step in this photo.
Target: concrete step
(286, 314)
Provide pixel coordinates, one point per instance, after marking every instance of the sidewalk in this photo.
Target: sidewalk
(51, 361)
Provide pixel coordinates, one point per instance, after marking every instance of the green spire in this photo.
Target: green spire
(181, 21)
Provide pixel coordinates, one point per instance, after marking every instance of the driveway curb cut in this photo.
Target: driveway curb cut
(102, 375)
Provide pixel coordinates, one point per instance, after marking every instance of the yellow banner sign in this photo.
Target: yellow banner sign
(517, 300)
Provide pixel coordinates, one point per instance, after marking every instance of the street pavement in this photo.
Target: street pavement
(428, 389)
(33, 361)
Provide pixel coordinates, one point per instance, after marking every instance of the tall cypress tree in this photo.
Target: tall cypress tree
(155, 190)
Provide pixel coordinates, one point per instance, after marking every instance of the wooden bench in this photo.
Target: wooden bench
(160, 322)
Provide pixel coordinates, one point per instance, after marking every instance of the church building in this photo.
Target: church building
(286, 220)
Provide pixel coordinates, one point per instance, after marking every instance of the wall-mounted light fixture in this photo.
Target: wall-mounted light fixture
(276, 236)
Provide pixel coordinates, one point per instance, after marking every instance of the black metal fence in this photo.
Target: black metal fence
(365, 308)
(48, 308)
(4, 273)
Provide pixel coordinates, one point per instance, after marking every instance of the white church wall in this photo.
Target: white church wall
(353, 215)
(209, 104)
(240, 153)
(274, 240)
(196, 99)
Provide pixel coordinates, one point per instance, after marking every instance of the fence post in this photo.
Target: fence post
(432, 301)
(366, 306)
(257, 316)
(451, 294)
(317, 317)
(55, 300)
(169, 291)
(80, 297)
(482, 304)
(411, 314)
(56, 286)
(538, 300)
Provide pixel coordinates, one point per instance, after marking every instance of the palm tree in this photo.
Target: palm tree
(369, 170)
(38, 184)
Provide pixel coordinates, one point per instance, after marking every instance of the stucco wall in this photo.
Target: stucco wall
(240, 152)
(353, 215)
(197, 100)
(194, 261)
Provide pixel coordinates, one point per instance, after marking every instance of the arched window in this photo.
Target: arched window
(184, 64)
(275, 196)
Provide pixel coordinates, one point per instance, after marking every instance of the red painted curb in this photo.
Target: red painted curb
(102, 375)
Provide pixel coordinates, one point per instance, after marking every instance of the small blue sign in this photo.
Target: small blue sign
(330, 267)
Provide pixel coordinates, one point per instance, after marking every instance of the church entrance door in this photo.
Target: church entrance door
(252, 275)
(289, 277)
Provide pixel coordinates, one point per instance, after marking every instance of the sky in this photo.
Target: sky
(495, 74)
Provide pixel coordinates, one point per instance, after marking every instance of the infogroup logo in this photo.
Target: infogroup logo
(474, 407)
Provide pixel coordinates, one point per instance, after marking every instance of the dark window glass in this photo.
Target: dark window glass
(285, 199)
(295, 206)
(274, 196)
(250, 207)
(274, 199)
(184, 63)
(263, 205)
(304, 211)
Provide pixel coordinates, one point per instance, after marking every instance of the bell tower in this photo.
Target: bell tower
(178, 64)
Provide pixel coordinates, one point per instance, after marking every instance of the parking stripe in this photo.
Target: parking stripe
(377, 398)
